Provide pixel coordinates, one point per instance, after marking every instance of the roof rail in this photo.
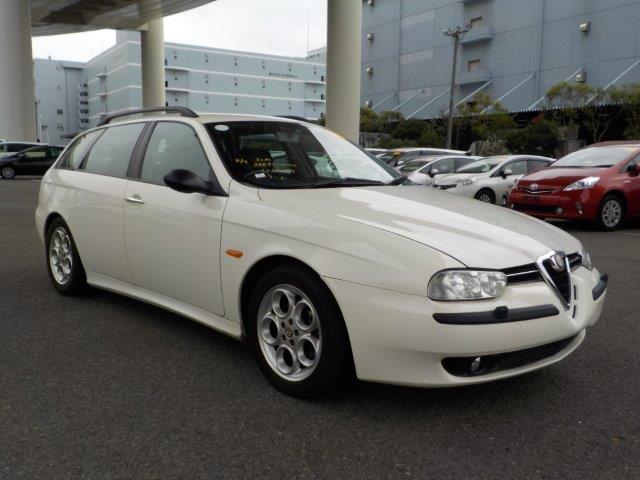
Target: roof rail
(294, 117)
(184, 111)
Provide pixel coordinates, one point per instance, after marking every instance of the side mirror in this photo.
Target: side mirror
(186, 181)
(506, 172)
(633, 169)
(433, 172)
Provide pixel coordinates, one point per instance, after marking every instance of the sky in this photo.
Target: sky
(282, 27)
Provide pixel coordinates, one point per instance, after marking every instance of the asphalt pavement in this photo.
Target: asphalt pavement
(105, 387)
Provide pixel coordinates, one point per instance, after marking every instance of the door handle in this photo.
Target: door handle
(134, 199)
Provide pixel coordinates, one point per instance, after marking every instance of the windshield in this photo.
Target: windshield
(483, 166)
(598, 157)
(388, 155)
(290, 155)
(413, 165)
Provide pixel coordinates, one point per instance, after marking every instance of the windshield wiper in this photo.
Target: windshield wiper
(348, 182)
(397, 181)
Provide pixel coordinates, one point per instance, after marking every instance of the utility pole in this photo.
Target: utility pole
(456, 34)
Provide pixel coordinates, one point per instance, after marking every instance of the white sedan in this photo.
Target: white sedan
(424, 171)
(283, 234)
(488, 179)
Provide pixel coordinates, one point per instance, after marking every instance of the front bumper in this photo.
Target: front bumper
(573, 205)
(395, 338)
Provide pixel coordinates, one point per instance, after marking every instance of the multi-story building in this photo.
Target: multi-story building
(61, 99)
(515, 50)
(208, 80)
(71, 96)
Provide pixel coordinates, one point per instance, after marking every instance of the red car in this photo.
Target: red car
(600, 182)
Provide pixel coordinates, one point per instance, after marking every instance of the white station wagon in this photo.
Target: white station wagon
(282, 233)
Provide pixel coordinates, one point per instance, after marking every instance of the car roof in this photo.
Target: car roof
(613, 143)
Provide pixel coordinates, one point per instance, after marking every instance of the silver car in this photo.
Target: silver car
(425, 170)
(488, 179)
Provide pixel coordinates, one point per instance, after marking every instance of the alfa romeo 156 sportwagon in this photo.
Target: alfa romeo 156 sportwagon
(319, 255)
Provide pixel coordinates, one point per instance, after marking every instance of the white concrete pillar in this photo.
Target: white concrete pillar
(17, 97)
(344, 31)
(152, 53)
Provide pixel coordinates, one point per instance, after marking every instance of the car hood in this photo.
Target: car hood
(554, 178)
(451, 178)
(474, 233)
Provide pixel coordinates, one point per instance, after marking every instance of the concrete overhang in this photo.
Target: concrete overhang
(51, 17)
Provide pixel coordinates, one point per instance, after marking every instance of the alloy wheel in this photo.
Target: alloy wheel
(8, 172)
(60, 255)
(611, 213)
(289, 332)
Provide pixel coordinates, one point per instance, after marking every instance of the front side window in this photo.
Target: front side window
(111, 153)
(597, 157)
(173, 146)
(517, 168)
(443, 166)
(482, 166)
(78, 149)
(36, 153)
(290, 155)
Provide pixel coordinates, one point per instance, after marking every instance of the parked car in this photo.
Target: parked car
(423, 171)
(398, 156)
(599, 183)
(7, 148)
(488, 179)
(376, 151)
(320, 274)
(32, 161)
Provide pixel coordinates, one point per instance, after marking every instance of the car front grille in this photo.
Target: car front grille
(483, 365)
(535, 208)
(531, 272)
(535, 192)
(561, 280)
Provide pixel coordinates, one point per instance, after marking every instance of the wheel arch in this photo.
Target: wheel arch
(256, 272)
(620, 195)
(50, 218)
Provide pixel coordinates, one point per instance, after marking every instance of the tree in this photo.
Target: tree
(628, 96)
(488, 121)
(576, 104)
(539, 138)
(369, 120)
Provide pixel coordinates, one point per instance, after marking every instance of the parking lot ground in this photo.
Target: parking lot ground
(104, 387)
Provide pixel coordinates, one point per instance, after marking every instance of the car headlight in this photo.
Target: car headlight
(586, 259)
(588, 182)
(451, 285)
(465, 182)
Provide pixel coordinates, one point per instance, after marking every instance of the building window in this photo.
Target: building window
(166, 83)
(166, 62)
(322, 78)
(473, 65)
(476, 22)
(59, 111)
(60, 128)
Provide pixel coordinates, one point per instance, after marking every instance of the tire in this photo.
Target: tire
(63, 262)
(7, 172)
(297, 333)
(485, 195)
(611, 213)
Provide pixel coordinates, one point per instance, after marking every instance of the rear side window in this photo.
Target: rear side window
(111, 153)
(537, 165)
(78, 149)
(173, 146)
(17, 147)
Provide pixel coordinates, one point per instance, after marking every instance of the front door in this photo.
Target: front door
(173, 238)
(515, 169)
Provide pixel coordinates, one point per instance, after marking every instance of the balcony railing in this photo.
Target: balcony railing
(478, 34)
(479, 75)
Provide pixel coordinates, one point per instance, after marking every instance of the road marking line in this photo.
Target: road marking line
(634, 234)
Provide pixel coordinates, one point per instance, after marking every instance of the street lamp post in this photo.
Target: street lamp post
(456, 35)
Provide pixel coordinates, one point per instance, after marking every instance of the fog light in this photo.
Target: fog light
(475, 365)
(579, 208)
(559, 210)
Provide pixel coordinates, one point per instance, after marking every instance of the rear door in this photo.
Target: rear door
(173, 238)
(96, 201)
